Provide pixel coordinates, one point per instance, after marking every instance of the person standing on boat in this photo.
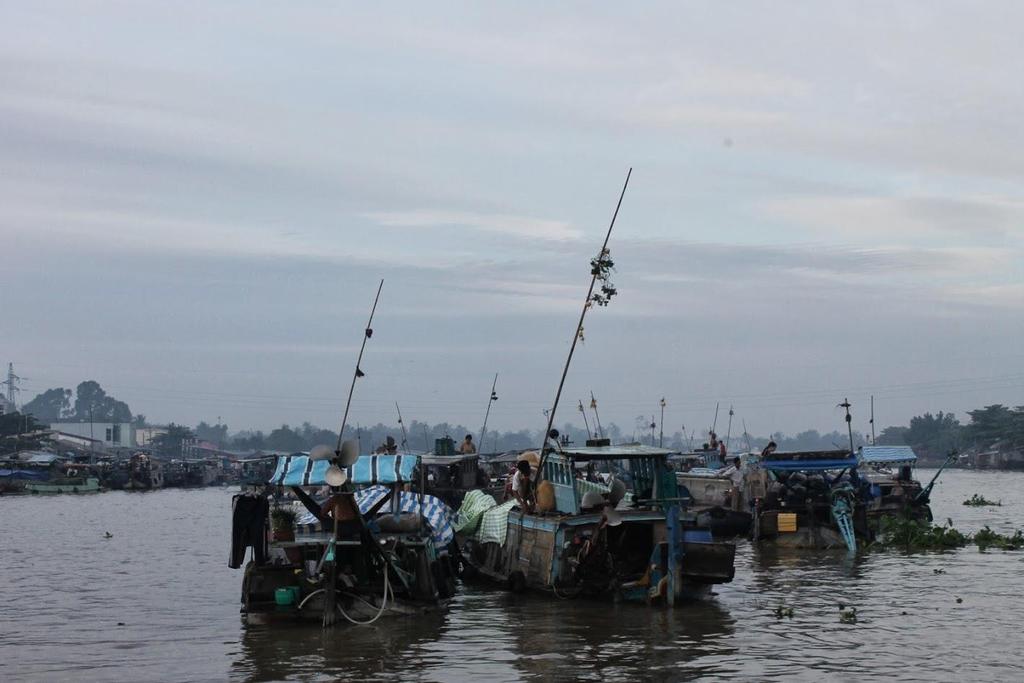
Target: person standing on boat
(522, 486)
(736, 477)
(467, 447)
(722, 450)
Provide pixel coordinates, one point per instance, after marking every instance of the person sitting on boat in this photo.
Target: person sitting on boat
(522, 486)
(769, 449)
(389, 447)
(467, 447)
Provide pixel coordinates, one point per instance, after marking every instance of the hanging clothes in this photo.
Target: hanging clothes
(248, 528)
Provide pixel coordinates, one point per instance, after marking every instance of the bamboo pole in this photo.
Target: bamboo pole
(587, 303)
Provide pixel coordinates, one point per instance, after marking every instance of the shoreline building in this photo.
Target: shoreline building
(115, 434)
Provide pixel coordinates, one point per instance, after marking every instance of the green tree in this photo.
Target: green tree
(213, 433)
(92, 404)
(53, 405)
(934, 435)
(169, 445)
(991, 424)
(893, 436)
(284, 438)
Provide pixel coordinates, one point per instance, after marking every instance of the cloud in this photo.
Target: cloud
(518, 226)
(895, 219)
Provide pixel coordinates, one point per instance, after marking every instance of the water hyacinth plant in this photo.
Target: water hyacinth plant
(980, 501)
(912, 534)
(986, 538)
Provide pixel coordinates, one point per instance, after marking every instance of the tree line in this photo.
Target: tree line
(934, 436)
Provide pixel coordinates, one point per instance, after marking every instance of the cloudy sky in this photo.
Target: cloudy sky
(199, 199)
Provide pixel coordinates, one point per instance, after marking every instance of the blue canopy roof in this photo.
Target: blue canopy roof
(887, 455)
(299, 470)
(815, 461)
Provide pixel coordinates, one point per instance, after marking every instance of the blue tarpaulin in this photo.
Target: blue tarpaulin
(299, 470)
(809, 465)
(24, 474)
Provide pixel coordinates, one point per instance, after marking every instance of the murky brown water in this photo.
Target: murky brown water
(164, 575)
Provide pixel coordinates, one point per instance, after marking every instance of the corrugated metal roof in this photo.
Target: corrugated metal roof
(883, 455)
(39, 457)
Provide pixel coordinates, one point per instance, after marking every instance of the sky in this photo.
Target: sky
(199, 200)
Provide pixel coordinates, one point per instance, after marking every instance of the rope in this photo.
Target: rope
(383, 602)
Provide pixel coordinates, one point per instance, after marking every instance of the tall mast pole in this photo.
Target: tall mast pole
(490, 399)
(872, 419)
(405, 437)
(587, 303)
(849, 421)
(597, 416)
(661, 429)
(367, 333)
(728, 432)
(584, 414)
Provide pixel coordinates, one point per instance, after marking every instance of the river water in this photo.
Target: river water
(157, 602)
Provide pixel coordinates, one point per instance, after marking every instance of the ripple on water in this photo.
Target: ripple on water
(164, 575)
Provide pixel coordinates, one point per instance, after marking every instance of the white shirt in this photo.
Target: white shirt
(517, 482)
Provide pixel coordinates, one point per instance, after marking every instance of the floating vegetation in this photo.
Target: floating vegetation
(912, 534)
(783, 611)
(980, 501)
(986, 538)
(848, 616)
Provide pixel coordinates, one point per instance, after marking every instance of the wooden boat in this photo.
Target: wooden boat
(713, 498)
(71, 484)
(145, 473)
(449, 477)
(817, 500)
(895, 492)
(383, 551)
(644, 549)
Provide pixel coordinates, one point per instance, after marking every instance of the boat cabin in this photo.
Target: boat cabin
(817, 499)
(629, 541)
(371, 546)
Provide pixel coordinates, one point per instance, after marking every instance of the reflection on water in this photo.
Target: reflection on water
(164, 576)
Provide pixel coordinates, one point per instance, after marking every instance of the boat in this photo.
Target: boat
(702, 476)
(145, 473)
(449, 477)
(71, 483)
(640, 547)
(375, 548)
(817, 499)
(895, 491)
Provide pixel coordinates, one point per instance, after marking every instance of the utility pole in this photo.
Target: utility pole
(661, 431)
(12, 385)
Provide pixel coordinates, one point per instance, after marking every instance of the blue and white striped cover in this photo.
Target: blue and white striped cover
(299, 470)
(888, 455)
(439, 516)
